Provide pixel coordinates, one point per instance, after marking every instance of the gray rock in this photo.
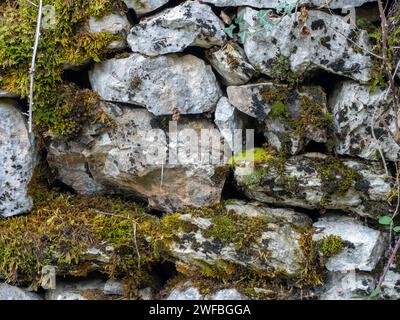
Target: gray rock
(363, 246)
(74, 290)
(116, 24)
(144, 6)
(280, 111)
(391, 286)
(146, 294)
(298, 181)
(325, 47)
(355, 108)
(231, 63)
(8, 292)
(17, 158)
(279, 242)
(231, 123)
(348, 285)
(114, 287)
(173, 30)
(129, 157)
(334, 4)
(164, 85)
(186, 290)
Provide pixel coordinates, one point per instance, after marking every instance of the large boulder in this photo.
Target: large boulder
(130, 156)
(231, 63)
(272, 4)
(247, 235)
(289, 47)
(116, 24)
(144, 6)
(362, 246)
(164, 85)
(313, 181)
(189, 24)
(8, 292)
(290, 118)
(17, 158)
(356, 110)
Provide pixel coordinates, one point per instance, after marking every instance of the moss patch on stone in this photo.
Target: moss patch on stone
(57, 109)
(331, 245)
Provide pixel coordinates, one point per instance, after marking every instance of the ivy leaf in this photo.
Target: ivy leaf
(385, 220)
(240, 19)
(243, 35)
(375, 293)
(229, 30)
(396, 229)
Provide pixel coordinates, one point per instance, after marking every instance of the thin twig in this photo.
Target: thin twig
(33, 63)
(389, 263)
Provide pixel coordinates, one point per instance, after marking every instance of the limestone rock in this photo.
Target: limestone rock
(144, 6)
(391, 286)
(271, 4)
(323, 47)
(189, 24)
(363, 246)
(314, 181)
(75, 290)
(354, 109)
(164, 85)
(186, 290)
(283, 113)
(129, 157)
(231, 123)
(278, 240)
(115, 24)
(8, 292)
(231, 63)
(349, 285)
(17, 158)
(114, 287)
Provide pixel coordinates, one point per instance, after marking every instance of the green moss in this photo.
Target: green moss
(331, 245)
(311, 274)
(282, 72)
(55, 108)
(255, 155)
(279, 110)
(62, 227)
(336, 176)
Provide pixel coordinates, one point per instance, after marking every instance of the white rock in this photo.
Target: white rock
(114, 287)
(325, 48)
(163, 85)
(116, 24)
(300, 184)
(8, 292)
(348, 285)
(363, 246)
(17, 159)
(271, 4)
(189, 24)
(391, 286)
(280, 241)
(128, 158)
(230, 123)
(231, 63)
(259, 100)
(354, 109)
(74, 290)
(144, 6)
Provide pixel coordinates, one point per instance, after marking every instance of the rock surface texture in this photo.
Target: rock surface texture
(144, 6)
(17, 158)
(129, 157)
(164, 85)
(318, 45)
(189, 24)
